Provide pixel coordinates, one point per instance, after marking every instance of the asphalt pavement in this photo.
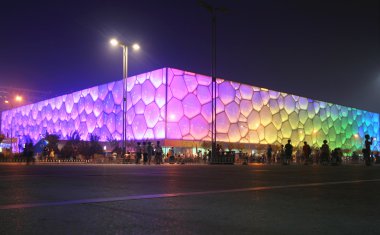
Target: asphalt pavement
(189, 199)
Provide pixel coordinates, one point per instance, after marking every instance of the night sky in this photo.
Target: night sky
(326, 50)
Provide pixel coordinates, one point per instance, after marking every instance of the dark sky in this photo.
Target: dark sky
(326, 50)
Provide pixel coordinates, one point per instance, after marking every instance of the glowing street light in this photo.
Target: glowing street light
(114, 42)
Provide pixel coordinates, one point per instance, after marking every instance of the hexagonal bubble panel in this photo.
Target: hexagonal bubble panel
(246, 92)
(222, 123)
(290, 104)
(184, 125)
(191, 106)
(156, 77)
(207, 112)
(160, 98)
(178, 87)
(254, 120)
(203, 94)
(273, 105)
(159, 130)
(174, 110)
(191, 82)
(199, 127)
(148, 92)
(226, 92)
(265, 116)
(98, 107)
(136, 94)
(233, 112)
(265, 96)
(246, 107)
(234, 133)
(139, 126)
(139, 107)
(270, 133)
(88, 104)
(257, 102)
(152, 114)
(173, 131)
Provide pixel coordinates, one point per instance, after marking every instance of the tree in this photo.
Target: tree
(52, 140)
(71, 148)
(90, 148)
(115, 146)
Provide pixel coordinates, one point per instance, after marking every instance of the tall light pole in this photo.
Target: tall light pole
(17, 99)
(114, 42)
(213, 10)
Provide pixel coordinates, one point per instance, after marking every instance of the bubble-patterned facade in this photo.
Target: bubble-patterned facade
(176, 105)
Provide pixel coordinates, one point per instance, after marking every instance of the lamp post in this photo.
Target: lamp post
(17, 99)
(213, 10)
(114, 42)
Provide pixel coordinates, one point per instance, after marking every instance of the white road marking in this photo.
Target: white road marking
(181, 194)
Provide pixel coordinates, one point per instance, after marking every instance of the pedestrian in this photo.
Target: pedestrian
(149, 152)
(144, 149)
(306, 151)
(324, 153)
(288, 152)
(367, 150)
(138, 153)
(269, 154)
(158, 151)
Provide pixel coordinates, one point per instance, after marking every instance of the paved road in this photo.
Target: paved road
(189, 199)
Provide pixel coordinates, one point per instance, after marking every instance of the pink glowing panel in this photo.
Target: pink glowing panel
(69, 102)
(246, 92)
(226, 92)
(178, 87)
(191, 82)
(184, 126)
(88, 104)
(148, 92)
(233, 112)
(199, 127)
(159, 130)
(130, 116)
(175, 110)
(206, 112)
(139, 126)
(119, 122)
(98, 107)
(156, 77)
(139, 107)
(117, 92)
(136, 94)
(173, 131)
(222, 123)
(160, 98)
(109, 104)
(203, 94)
(152, 114)
(191, 106)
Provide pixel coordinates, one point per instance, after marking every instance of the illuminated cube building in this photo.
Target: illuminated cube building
(174, 106)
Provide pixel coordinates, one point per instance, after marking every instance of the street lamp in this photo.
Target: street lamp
(114, 42)
(17, 99)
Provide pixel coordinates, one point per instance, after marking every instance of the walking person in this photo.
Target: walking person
(367, 150)
(158, 157)
(144, 149)
(288, 152)
(138, 153)
(269, 154)
(149, 152)
(325, 153)
(306, 151)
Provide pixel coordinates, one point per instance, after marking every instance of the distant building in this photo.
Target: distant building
(175, 106)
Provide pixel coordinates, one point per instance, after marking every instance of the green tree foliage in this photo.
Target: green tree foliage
(53, 140)
(71, 147)
(90, 148)
(115, 146)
